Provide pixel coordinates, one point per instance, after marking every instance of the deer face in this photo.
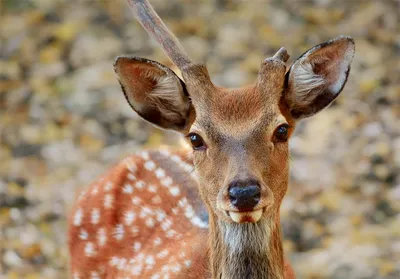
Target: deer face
(239, 136)
(241, 153)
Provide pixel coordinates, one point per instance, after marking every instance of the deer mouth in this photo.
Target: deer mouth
(245, 216)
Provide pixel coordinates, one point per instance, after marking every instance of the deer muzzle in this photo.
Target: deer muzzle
(244, 196)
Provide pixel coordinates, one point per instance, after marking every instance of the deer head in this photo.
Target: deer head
(239, 136)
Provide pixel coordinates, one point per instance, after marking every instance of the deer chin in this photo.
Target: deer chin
(246, 216)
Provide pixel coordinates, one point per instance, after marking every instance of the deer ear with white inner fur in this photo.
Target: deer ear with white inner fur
(318, 77)
(154, 91)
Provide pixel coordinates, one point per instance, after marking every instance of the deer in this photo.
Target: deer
(211, 211)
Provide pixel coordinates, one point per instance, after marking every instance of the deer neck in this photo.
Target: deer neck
(251, 250)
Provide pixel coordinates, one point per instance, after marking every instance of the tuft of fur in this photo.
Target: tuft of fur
(168, 100)
(248, 250)
(306, 82)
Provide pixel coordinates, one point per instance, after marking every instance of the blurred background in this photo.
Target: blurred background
(64, 120)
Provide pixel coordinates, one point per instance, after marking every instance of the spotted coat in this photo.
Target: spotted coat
(143, 219)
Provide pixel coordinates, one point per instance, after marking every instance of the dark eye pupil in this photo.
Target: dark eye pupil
(196, 141)
(282, 132)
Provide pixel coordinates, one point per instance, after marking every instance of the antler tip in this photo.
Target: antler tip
(282, 54)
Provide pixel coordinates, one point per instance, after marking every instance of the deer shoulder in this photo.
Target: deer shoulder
(142, 219)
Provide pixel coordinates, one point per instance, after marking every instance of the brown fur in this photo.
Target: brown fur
(239, 129)
(118, 258)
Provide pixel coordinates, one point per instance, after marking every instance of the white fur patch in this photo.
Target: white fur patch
(306, 81)
(342, 75)
(251, 236)
(168, 99)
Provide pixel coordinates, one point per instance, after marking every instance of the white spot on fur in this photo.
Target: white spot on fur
(160, 173)
(135, 231)
(127, 189)
(94, 275)
(131, 177)
(150, 262)
(119, 232)
(95, 190)
(108, 186)
(150, 222)
(101, 237)
(136, 201)
(157, 241)
(122, 264)
(144, 212)
(152, 188)
(136, 246)
(171, 233)
(149, 165)
(198, 222)
(189, 212)
(174, 191)
(144, 155)
(160, 215)
(137, 269)
(89, 249)
(166, 181)
(78, 216)
(114, 261)
(83, 234)
(82, 195)
(130, 165)
(162, 254)
(176, 158)
(188, 168)
(165, 152)
(129, 217)
(140, 184)
(175, 210)
(176, 268)
(182, 202)
(95, 216)
(108, 201)
(166, 224)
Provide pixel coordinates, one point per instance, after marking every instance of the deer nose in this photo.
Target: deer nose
(244, 197)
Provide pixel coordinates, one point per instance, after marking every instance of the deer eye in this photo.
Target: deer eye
(282, 132)
(196, 141)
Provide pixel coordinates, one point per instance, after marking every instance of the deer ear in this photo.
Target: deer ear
(318, 76)
(154, 91)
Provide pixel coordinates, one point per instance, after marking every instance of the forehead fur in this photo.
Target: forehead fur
(237, 106)
(238, 112)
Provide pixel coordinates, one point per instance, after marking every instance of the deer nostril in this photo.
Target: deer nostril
(232, 198)
(244, 198)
